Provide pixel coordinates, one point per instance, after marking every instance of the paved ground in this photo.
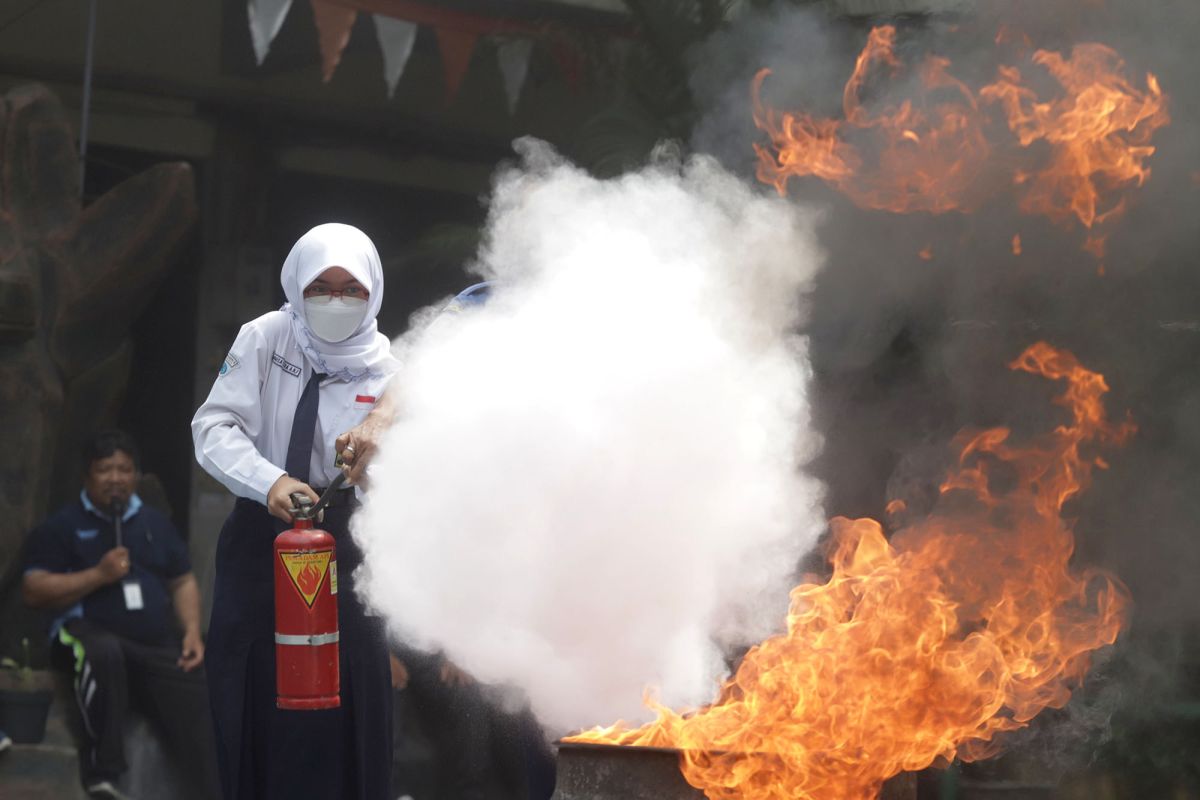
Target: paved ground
(46, 771)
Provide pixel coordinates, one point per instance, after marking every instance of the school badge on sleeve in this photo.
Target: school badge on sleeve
(228, 365)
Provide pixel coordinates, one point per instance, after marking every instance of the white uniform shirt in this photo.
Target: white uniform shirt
(241, 432)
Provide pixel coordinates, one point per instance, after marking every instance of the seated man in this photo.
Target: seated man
(114, 567)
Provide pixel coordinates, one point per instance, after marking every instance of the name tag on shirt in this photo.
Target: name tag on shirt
(285, 365)
(133, 595)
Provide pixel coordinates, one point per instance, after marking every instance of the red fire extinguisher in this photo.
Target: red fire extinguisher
(306, 617)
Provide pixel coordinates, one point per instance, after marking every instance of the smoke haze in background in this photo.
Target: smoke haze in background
(596, 480)
(907, 351)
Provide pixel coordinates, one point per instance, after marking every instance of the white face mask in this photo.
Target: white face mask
(333, 319)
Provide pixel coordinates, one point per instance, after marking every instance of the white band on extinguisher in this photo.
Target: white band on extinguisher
(312, 640)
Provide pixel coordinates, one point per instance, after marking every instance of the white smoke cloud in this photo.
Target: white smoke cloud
(597, 476)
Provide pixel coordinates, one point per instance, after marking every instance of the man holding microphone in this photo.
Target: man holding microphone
(113, 569)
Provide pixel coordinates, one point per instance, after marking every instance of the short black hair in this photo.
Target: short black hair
(104, 443)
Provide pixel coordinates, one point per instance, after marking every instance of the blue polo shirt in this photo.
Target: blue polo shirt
(77, 536)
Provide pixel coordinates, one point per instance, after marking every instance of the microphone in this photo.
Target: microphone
(118, 510)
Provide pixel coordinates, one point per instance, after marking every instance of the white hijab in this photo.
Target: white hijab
(366, 352)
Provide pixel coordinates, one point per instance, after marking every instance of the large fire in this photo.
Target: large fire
(925, 647)
(1074, 150)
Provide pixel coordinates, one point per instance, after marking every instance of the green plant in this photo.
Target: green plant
(21, 671)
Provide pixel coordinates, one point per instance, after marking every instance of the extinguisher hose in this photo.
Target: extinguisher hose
(334, 486)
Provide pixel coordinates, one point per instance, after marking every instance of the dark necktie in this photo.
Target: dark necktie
(304, 424)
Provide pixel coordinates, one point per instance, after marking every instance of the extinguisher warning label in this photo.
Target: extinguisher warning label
(307, 571)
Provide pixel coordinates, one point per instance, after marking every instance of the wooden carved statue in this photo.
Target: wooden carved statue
(73, 280)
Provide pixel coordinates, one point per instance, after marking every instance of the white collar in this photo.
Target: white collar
(135, 505)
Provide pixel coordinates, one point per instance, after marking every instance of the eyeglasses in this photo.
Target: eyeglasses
(353, 292)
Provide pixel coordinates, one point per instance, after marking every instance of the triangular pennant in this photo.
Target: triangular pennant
(307, 571)
(266, 18)
(457, 47)
(570, 62)
(513, 57)
(333, 32)
(396, 38)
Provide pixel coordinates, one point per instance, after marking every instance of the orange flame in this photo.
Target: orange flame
(963, 626)
(931, 149)
(928, 157)
(1098, 131)
(1096, 245)
(309, 578)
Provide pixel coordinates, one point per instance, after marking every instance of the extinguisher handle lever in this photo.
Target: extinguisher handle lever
(300, 503)
(303, 508)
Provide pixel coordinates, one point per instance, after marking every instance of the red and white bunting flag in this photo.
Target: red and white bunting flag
(396, 37)
(333, 32)
(456, 46)
(266, 18)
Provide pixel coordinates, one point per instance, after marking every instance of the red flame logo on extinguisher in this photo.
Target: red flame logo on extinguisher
(307, 572)
(308, 579)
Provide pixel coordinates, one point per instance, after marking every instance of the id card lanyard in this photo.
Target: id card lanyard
(131, 587)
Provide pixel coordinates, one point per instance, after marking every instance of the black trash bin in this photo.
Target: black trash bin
(23, 714)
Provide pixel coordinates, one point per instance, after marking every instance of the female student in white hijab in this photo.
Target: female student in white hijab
(259, 434)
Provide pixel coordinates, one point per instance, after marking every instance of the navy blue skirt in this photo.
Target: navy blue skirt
(265, 753)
